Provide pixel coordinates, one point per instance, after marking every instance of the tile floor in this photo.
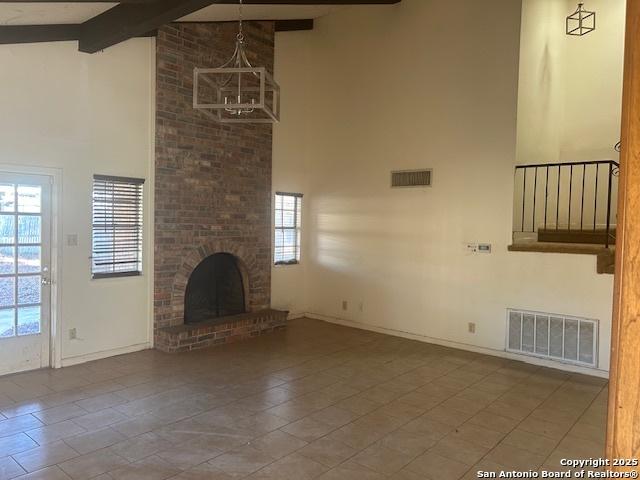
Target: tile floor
(314, 401)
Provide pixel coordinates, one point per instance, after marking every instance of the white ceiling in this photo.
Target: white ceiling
(52, 13)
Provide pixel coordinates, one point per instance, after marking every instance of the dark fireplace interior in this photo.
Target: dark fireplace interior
(214, 290)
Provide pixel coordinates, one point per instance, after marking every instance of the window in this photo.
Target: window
(287, 224)
(117, 226)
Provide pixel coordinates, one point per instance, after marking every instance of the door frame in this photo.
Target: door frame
(623, 422)
(55, 324)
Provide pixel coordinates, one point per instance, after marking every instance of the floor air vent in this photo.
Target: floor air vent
(556, 337)
(411, 178)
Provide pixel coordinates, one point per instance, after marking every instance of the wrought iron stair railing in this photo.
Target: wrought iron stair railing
(572, 202)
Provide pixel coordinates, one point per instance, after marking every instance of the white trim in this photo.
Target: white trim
(295, 315)
(55, 323)
(148, 249)
(89, 357)
(462, 346)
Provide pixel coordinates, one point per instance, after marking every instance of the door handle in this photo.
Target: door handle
(46, 281)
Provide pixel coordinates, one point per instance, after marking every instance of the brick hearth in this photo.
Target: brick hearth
(186, 337)
(213, 181)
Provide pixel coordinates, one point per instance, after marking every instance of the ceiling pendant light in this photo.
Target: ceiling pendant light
(237, 92)
(581, 21)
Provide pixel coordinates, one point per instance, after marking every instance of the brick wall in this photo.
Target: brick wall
(213, 181)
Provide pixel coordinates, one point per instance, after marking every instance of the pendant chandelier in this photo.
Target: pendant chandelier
(237, 92)
(581, 21)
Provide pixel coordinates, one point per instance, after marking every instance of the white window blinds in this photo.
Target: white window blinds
(288, 222)
(117, 226)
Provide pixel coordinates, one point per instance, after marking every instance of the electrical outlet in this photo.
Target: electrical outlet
(345, 305)
(73, 334)
(484, 248)
(472, 327)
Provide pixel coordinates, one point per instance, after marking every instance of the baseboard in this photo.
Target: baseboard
(462, 346)
(89, 357)
(294, 315)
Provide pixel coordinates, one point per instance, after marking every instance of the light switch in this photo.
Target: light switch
(72, 240)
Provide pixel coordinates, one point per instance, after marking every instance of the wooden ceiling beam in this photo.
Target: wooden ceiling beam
(129, 20)
(16, 34)
(294, 25)
(11, 34)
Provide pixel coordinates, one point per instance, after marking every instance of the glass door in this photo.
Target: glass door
(25, 282)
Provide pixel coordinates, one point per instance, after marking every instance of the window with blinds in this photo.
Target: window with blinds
(288, 210)
(117, 226)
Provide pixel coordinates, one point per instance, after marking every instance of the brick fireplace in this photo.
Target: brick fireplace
(212, 191)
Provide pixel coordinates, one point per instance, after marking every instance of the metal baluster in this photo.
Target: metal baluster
(558, 199)
(584, 171)
(595, 199)
(535, 191)
(570, 196)
(546, 198)
(524, 196)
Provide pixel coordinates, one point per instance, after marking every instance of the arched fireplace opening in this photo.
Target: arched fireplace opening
(215, 289)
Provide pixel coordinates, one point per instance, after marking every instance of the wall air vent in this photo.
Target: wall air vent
(411, 178)
(555, 337)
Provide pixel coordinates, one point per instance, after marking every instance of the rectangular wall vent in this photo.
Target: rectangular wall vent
(556, 337)
(411, 178)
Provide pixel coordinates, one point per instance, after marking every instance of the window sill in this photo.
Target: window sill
(286, 264)
(102, 276)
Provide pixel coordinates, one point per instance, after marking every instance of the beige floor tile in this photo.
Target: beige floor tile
(45, 456)
(100, 402)
(100, 419)
(551, 430)
(151, 468)
(49, 473)
(140, 447)
(448, 416)
(203, 472)
(365, 401)
(95, 440)
(291, 467)
(458, 449)
(59, 414)
(9, 468)
(514, 457)
(436, 467)
(532, 442)
(242, 462)
(335, 416)
(478, 435)
(55, 432)
(351, 472)
(18, 424)
(328, 452)
(382, 459)
(16, 443)
(278, 444)
(92, 464)
(493, 421)
(308, 429)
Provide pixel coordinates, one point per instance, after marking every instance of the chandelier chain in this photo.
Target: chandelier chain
(240, 33)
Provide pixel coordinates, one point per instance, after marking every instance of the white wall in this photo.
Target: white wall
(85, 114)
(570, 94)
(289, 164)
(419, 84)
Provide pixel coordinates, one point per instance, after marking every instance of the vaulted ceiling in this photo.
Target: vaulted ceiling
(99, 25)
